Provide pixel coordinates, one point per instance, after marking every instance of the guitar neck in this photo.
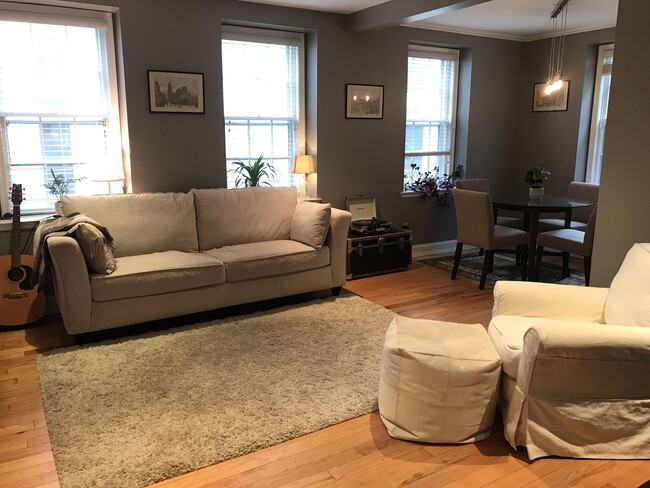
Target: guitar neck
(15, 250)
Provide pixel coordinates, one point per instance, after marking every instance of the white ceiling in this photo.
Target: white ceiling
(508, 19)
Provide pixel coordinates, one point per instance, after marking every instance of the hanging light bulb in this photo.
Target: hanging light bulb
(556, 59)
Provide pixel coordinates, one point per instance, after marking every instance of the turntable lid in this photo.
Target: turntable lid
(361, 207)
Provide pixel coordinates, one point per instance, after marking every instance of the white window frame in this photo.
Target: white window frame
(95, 18)
(596, 133)
(434, 52)
(254, 34)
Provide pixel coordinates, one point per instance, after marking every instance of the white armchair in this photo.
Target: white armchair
(576, 364)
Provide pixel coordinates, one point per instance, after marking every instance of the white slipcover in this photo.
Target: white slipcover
(438, 381)
(573, 385)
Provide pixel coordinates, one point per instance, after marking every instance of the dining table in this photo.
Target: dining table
(531, 209)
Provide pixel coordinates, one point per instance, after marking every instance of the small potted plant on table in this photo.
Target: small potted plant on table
(535, 177)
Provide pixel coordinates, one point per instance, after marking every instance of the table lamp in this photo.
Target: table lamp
(305, 165)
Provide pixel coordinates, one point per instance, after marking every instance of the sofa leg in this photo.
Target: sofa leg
(336, 291)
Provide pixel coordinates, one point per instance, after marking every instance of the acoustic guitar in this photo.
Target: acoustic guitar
(20, 302)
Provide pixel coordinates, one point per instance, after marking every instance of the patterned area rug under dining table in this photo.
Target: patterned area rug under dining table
(504, 268)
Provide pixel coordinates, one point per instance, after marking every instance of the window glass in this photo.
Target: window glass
(599, 112)
(430, 111)
(58, 102)
(262, 92)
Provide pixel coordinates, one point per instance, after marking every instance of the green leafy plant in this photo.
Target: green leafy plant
(535, 177)
(432, 185)
(60, 185)
(253, 173)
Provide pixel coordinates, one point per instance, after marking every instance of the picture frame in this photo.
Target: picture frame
(175, 92)
(555, 102)
(364, 101)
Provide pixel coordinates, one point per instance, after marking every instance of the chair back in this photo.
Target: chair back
(476, 184)
(586, 192)
(474, 218)
(588, 242)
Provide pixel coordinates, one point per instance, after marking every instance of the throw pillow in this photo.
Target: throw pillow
(97, 253)
(310, 223)
(628, 298)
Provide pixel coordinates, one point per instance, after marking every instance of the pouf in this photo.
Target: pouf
(438, 381)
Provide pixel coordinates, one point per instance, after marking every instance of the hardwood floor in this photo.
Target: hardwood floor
(355, 453)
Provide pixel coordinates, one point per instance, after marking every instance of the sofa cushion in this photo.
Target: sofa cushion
(141, 223)
(310, 223)
(628, 299)
(271, 258)
(157, 273)
(229, 217)
(98, 254)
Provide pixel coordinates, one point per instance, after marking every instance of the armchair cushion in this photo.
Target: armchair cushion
(628, 300)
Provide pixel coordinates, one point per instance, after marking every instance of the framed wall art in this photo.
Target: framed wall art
(553, 102)
(364, 101)
(176, 92)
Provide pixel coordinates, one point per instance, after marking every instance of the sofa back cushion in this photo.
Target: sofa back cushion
(142, 223)
(239, 216)
(628, 299)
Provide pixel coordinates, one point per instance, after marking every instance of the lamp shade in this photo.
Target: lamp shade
(304, 164)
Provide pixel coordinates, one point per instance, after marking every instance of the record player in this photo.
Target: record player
(374, 245)
(364, 216)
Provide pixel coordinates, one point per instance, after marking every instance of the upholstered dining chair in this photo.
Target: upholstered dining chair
(577, 190)
(475, 223)
(568, 241)
(482, 184)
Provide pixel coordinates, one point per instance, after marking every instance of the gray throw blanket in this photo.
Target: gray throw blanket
(58, 226)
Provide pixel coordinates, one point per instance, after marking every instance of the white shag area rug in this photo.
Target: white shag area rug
(127, 413)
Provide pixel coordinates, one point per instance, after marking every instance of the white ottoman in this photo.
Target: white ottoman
(438, 381)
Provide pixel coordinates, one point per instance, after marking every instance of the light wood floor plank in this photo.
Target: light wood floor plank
(355, 453)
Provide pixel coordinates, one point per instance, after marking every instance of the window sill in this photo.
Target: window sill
(410, 194)
(27, 222)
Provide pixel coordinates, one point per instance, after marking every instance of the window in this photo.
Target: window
(58, 101)
(599, 112)
(430, 111)
(263, 98)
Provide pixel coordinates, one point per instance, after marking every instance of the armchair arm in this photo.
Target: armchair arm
(547, 300)
(585, 361)
(71, 283)
(337, 239)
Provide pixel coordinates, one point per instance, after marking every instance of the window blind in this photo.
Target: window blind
(430, 110)
(57, 101)
(262, 98)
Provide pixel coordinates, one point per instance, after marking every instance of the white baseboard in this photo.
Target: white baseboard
(438, 249)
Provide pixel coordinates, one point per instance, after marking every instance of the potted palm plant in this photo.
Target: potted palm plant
(59, 187)
(253, 173)
(535, 177)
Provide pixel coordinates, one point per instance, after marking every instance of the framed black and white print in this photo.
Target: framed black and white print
(176, 92)
(364, 101)
(556, 101)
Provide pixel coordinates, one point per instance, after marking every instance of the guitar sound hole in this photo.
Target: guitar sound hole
(15, 275)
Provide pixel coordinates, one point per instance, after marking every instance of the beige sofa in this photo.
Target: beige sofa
(180, 253)
(576, 364)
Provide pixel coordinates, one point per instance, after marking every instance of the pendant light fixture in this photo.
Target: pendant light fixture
(556, 56)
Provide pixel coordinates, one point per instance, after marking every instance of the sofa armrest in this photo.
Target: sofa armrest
(585, 361)
(337, 241)
(547, 300)
(71, 283)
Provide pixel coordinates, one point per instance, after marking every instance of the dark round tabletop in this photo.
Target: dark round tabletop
(550, 203)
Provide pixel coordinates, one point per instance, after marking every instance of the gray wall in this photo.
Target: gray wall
(557, 139)
(624, 201)
(499, 136)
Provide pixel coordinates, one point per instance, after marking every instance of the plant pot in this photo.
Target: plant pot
(536, 193)
(57, 208)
